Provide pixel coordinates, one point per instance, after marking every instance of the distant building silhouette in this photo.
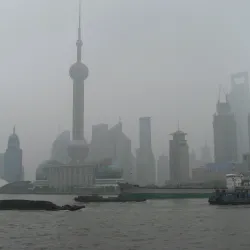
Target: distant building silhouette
(113, 147)
(206, 154)
(13, 167)
(59, 151)
(162, 170)
(225, 134)
(239, 100)
(192, 159)
(145, 160)
(1, 165)
(179, 158)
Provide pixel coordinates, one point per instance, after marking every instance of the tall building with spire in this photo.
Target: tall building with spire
(78, 149)
(13, 167)
(78, 173)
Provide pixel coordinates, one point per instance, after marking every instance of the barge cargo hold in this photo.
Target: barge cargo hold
(135, 192)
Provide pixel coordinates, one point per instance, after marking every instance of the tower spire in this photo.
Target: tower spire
(79, 39)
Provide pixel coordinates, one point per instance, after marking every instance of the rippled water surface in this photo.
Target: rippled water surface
(165, 224)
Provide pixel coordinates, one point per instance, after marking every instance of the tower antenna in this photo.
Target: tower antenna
(79, 16)
(219, 92)
(79, 39)
(226, 94)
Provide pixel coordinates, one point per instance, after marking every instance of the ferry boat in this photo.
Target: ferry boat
(237, 192)
(136, 192)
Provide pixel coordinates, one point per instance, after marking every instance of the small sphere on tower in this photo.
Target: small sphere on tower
(79, 71)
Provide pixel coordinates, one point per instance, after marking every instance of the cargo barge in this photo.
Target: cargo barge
(136, 192)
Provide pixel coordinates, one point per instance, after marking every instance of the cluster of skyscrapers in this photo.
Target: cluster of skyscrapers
(75, 163)
(231, 126)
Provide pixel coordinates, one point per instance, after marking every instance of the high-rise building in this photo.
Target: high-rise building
(13, 167)
(112, 145)
(145, 133)
(225, 135)
(179, 158)
(1, 165)
(206, 154)
(249, 131)
(162, 170)
(59, 151)
(239, 100)
(145, 161)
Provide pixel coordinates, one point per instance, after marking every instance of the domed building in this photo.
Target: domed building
(13, 167)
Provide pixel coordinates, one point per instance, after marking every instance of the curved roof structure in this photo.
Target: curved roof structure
(3, 182)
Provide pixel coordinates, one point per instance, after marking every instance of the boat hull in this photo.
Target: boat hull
(229, 203)
(167, 195)
(110, 199)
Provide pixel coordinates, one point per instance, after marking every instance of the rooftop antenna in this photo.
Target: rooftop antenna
(226, 94)
(178, 125)
(14, 129)
(219, 92)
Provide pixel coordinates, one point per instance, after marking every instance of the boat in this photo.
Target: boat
(35, 205)
(98, 198)
(131, 191)
(237, 192)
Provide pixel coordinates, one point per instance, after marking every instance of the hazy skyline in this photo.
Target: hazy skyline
(163, 59)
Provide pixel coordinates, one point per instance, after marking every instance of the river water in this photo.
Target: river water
(159, 224)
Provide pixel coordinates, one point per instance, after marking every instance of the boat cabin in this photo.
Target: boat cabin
(233, 181)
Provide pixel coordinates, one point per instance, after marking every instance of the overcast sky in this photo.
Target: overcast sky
(158, 58)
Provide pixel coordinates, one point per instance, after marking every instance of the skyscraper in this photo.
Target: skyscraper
(206, 154)
(225, 135)
(162, 170)
(249, 131)
(13, 167)
(179, 158)
(59, 151)
(239, 100)
(114, 147)
(145, 133)
(145, 161)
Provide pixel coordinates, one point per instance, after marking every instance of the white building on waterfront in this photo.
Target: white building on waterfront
(67, 177)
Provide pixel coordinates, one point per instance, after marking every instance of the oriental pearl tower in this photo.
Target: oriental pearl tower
(78, 148)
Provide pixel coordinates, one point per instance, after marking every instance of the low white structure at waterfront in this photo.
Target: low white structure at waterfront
(67, 177)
